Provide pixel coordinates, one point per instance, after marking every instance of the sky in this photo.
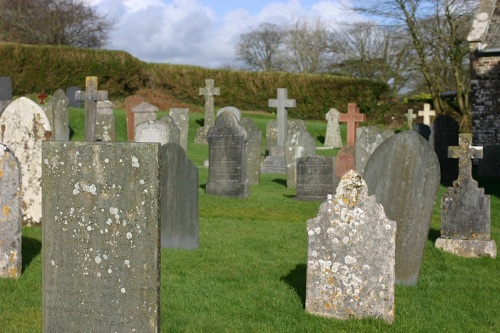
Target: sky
(203, 32)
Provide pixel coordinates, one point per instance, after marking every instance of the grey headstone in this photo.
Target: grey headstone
(49, 112)
(332, 137)
(489, 164)
(179, 199)
(367, 140)
(4, 105)
(91, 96)
(71, 94)
(444, 133)
(315, 177)
(10, 214)
(144, 112)
(5, 88)
(181, 120)
(403, 173)
(423, 130)
(60, 126)
(235, 111)
(152, 131)
(271, 135)
(298, 143)
(227, 170)
(350, 256)
(253, 150)
(105, 129)
(24, 126)
(101, 237)
(209, 91)
(173, 132)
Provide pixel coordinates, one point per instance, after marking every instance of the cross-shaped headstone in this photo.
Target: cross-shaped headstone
(209, 92)
(464, 152)
(427, 113)
(90, 97)
(281, 103)
(352, 118)
(42, 97)
(409, 117)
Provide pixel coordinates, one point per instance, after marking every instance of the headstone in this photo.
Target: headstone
(352, 118)
(332, 137)
(10, 214)
(60, 128)
(181, 120)
(409, 118)
(42, 97)
(423, 130)
(49, 112)
(152, 131)
(281, 104)
(344, 161)
(367, 140)
(427, 113)
(299, 143)
(101, 237)
(350, 256)
(105, 122)
(130, 103)
(315, 177)
(253, 150)
(227, 170)
(71, 94)
(403, 173)
(5, 93)
(488, 165)
(23, 127)
(209, 91)
(444, 134)
(173, 133)
(179, 199)
(235, 111)
(144, 112)
(91, 96)
(465, 209)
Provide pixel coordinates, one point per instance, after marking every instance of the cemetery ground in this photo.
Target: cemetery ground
(249, 273)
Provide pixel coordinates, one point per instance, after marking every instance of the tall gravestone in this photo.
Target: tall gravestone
(179, 199)
(253, 150)
(173, 132)
(152, 131)
(367, 140)
(403, 173)
(5, 93)
(60, 128)
(71, 94)
(332, 137)
(298, 143)
(315, 177)
(209, 91)
(144, 112)
(23, 127)
(181, 120)
(130, 103)
(465, 209)
(101, 237)
(10, 214)
(105, 122)
(91, 96)
(227, 171)
(235, 111)
(350, 256)
(444, 133)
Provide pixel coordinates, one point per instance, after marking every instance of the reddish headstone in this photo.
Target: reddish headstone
(345, 161)
(130, 102)
(352, 118)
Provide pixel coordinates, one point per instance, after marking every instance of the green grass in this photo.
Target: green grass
(249, 273)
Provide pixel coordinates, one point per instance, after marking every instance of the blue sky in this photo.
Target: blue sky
(203, 32)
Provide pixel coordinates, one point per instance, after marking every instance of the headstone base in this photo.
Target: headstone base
(275, 162)
(468, 248)
(201, 135)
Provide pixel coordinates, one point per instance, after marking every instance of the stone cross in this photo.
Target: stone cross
(464, 152)
(352, 118)
(281, 103)
(427, 113)
(42, 97)
(409, 117)
(209, 91)
(90, 97)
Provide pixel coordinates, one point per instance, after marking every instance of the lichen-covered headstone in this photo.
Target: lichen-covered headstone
(181, 120)
(173, 132)
(179, 199)
(105, 129)
(235, 111)
(298, 143)
(444, 133)
(152, 131)
(60, 128)
(253, 150)
(403, 173)
(350, 256)
(332, 137)
(315, 177)
(101, 237)
(10, 214)
(23, 127)
(367, 140)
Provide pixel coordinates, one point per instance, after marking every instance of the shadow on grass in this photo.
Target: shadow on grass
(297, 280)
(201, 122)
(321, 138)
(30, 249)
(203, 186)
(433, 235)
(280, 181)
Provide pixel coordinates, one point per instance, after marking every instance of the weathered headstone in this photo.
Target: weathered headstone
(465, 209)
(173, 132)
(179, 199)
(352, 118)
(209, 91)
(332, 137)
(427, 113)
(271, 135)
(144, 112)
(298, 143)
(227, 170)
(49, 112)
(315, 177)
(488, 165)
(71, 94)
(350, 256)
(91, 96)
(409, 118)
(423, 129)
(403, 172)
(23, 127)
(101, 237)
(181, 120)
(152, 131)
(253, 150)
(130, 103)
(444, 134)
(367, 140)
(60, 128)
(10, 214)
(235, 111)
(5, 93)
(105, 122)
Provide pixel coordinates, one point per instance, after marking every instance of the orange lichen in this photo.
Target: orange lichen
(6, 210)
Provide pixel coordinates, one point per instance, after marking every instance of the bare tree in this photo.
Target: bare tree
(52, 22)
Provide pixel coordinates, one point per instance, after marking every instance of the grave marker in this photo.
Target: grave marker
(173, 133)
(130, 103)
(105, 122)
(281, 104)
(60, 128)
(90, 97)
(144, 112)
(253, 150)
(488, 165)
(42, 97)
(299, 143)
(409, 118)
(444, 134)
(332, 137)
(352, 118)
(209, 91)
(181, 120)
(315, 177)
(427, 113)
(5, 93)
(152, 131)
(235, 111)
(367, 140)
(71, 94)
